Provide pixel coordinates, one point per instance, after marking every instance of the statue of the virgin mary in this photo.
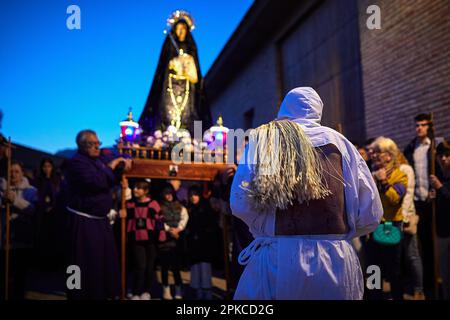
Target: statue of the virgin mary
(176, 97)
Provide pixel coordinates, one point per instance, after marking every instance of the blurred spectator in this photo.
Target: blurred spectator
(442, 193)
(22, 197)
(180, 190)
(3, 156)
(143, 231)
(392, 184)
(418, 154)
(362, 151)
(175, 217)
(413, 261)
(240, 234)
(201, 232)
(48, 186)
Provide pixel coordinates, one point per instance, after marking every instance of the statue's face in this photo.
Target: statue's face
(181, 31)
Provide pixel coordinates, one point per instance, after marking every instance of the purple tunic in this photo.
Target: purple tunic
(93, 248)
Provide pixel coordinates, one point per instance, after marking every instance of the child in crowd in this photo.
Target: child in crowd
(175, 218)
(144, 225)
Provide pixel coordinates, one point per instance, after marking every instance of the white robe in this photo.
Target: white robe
(307, 267)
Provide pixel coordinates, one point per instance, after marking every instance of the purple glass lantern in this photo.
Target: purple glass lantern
(130, 129)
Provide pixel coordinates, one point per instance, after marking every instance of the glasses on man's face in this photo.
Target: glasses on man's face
(91, 144)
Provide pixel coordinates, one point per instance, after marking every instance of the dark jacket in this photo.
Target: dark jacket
(92, 246)
(443, 210)
(90, 182)
(23, 215)
(409, 155)
(202, 233)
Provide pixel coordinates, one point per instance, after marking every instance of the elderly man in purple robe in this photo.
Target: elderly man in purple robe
(92, 247)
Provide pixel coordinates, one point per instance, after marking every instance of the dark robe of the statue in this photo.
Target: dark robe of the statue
(92, 245)
(156, 111)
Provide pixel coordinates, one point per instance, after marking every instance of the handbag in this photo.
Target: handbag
(387, 234)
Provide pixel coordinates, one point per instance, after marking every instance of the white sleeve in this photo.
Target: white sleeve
(408, 209)
(184, 219)
(370, 209)
(128, 194)
(240, 201)
(21, 203)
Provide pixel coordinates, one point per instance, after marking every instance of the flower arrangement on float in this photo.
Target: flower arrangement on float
(164, 142)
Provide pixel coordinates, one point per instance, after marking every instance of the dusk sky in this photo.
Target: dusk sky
(55, 82)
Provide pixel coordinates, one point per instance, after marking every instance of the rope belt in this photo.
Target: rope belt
(259, 242)
(89, 216)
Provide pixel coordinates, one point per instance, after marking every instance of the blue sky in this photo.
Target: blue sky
(55, 82)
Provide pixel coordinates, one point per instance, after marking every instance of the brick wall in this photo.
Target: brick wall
(406, 66)
(322, 51)
(253, 87)
(311, 53)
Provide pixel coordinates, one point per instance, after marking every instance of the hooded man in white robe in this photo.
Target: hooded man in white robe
(308, 194)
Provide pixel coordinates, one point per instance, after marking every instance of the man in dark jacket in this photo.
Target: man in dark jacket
(418, 154)
(93, 249)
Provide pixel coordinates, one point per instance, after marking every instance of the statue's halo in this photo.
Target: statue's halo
(178, 15)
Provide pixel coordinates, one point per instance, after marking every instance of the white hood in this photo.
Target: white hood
(303, 105)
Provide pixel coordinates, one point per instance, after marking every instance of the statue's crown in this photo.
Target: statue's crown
(178, 15)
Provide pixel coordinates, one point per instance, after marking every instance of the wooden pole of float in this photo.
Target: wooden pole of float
(7, 221)
(123, 221)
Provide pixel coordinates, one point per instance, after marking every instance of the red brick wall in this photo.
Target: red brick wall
(254, 87)
(406, 66)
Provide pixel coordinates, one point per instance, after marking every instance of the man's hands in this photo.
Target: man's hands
(227, 173)
(122, 213)
(128, 163)
(435, 182)
(174, 232)
(10, 196)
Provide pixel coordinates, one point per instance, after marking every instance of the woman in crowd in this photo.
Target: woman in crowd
(411, 255)
(175, 218)
(48, 186)
(392, 185)
(22, 198)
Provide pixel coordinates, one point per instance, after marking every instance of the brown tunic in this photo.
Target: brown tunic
(324, 216)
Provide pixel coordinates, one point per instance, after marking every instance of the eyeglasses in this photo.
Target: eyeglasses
(91, 144)
(377, 153)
